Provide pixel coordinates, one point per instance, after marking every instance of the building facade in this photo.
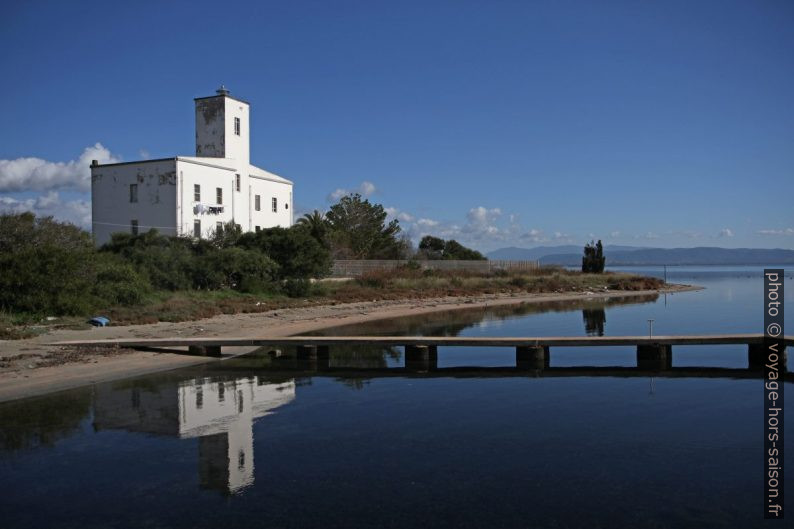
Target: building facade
(193, 195)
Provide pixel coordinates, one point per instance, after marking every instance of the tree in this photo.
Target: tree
(316, 225)
(435, 248)
(593, 260)
(298, 254)
(454, 250)
(432, 247)
(358, 230)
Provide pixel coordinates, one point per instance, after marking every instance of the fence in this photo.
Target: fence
(350, 268)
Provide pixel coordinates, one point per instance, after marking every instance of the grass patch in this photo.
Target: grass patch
(403, 283)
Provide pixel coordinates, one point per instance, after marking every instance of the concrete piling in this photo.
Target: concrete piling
(758, 355)
(421, 357)
(655, 356)
(532, 356)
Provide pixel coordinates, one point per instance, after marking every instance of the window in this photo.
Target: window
(237, 126)
(286, 206)
(199, 397)
(196, 193)
(257, 203)
(134, 227)
(258, 228)
(197, 229)
(133, 192)
(219, 227)
(237, 182)
(239, 402)
(274, 202)
(219, 195)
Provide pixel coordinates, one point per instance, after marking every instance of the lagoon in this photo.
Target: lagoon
(253, 442)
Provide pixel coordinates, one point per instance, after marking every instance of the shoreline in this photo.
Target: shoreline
(28, 380)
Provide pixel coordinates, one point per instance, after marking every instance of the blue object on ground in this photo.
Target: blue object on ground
(99, 321)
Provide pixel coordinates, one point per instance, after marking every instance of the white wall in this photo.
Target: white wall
(238, 148)
(266, 218)
(111, 208)
(209, 178)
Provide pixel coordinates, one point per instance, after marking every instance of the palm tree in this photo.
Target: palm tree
(316, 224)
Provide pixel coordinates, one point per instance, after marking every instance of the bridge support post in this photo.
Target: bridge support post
(204, 350)
(323, 357)
(532, 356)
(421, 357)
(306, 352)
(656, 357)
(757, 356)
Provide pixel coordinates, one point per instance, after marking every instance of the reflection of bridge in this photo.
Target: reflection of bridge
(219, 412)
(531, 352)
(299, 369)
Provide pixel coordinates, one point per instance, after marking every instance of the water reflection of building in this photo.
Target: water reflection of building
(220, 413)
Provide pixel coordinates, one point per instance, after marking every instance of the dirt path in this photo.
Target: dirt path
(31, 367)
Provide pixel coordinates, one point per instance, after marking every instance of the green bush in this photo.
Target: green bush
(297, 253)
(297, 287)
(168, 262)
(47, 266)
(235, 268)
(118, 283)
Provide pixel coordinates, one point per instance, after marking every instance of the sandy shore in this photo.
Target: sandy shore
(31, 367)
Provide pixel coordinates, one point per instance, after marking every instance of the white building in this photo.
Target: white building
(220, 412)
(193, 195)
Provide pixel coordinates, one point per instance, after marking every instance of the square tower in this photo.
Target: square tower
(222, 127)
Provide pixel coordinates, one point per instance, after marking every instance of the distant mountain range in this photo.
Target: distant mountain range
(571, 255)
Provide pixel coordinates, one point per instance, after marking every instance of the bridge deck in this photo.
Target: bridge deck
(552, 341)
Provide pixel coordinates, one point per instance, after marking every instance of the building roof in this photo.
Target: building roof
(138, 161)
(257, 172)
(253, 171)
(208, 160)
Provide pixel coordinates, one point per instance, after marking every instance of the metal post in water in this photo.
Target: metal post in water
(650, 328)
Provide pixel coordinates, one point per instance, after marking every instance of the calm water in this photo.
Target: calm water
(263, 442)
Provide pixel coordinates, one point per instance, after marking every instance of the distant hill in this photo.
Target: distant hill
(570, 255)
(530, 254)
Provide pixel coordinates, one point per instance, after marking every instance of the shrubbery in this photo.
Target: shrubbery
(435, 248)
(50, 267)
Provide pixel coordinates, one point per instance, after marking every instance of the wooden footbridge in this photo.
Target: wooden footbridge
(422, 351)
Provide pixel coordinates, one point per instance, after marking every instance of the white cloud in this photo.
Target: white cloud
(726, 232)
(36, 174)
(534, 235)
(366, 188)
(76, 211)
(784, 231)
(481, 216)
(335, 195)
(427, 223)
(144, 154)
(615, 234)
(402, 216)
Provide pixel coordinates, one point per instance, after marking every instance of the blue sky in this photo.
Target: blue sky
(497, 123)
